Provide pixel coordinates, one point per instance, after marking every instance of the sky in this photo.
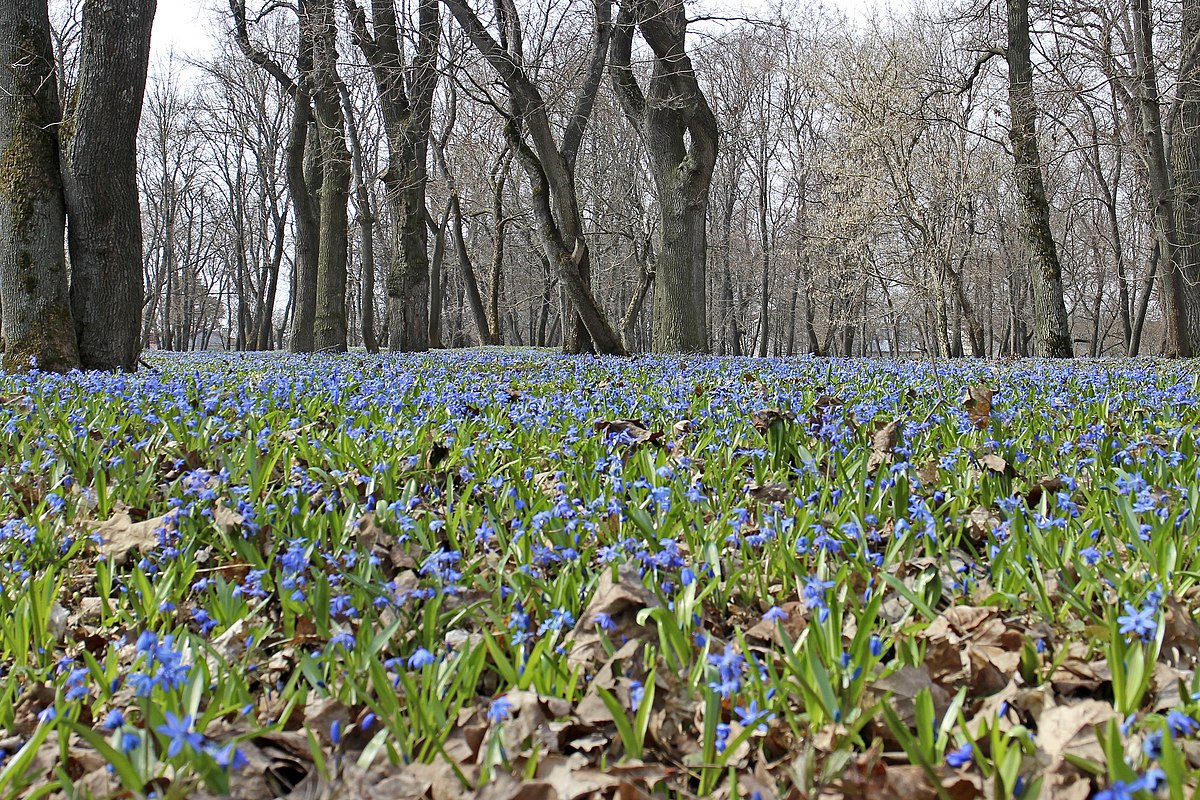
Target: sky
(188, 27)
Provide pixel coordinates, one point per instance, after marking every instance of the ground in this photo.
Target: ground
(516, 574)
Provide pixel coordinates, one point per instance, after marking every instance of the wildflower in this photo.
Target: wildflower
(722, 741)
(499, 710)
(1140, 622)
(729, 670)
(335, 732)
(637, 692)
(960, 757)
(1152, 744)
(113, 720)
(420, 658)
(229, 756)
(775, 614)
(752, 716)
(1181, 724)
(604, 621)
(179, 731)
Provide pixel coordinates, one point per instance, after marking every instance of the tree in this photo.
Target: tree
(405, 93)
(1185, 162)
(1052, 330)
(33, 277)
(329, 329)
(549, 163)
(99, 145)
(305, 216)
(679, 131)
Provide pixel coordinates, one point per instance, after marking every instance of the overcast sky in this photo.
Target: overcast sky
(188, 26)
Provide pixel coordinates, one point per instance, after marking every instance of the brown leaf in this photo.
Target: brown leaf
(766, 418)
(770, 492)
(1047, 484)
(120, 535)
(929, 473)
(228, 520)
(1072, 729)
(973, 645)
(995, 463)
(905, 684)
(618, 600)
(636, 430)
(883, 443)
(978, 403)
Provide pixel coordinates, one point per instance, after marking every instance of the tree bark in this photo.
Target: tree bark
(1052, 331)
(679, 130)
(330, 329)
(406, 94)
(99, 142)
(550, 163)
(1159, 180)
(1185, 163)
(303, 300)
(36, 313)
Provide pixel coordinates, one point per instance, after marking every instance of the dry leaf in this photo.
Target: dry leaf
(120, 535)
(978, 403)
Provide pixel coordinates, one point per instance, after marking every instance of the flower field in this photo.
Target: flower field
(512, 574)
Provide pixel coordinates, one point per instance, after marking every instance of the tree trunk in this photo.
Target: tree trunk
(36, 314)
(366, 224)
(406, 104)
(1159, 182)
(680, 133)
(330, 330)
(1185, 163)
(1052, 331)
(100, 181)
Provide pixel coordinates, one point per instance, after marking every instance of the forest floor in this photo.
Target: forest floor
(507, 574)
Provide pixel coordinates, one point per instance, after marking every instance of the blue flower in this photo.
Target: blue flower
(637, 692)
(752, 716)
(1140, 622)
(229, 756)
(1181, 724)
(774, 614)
(179, 731)
(113, 720)
(604, 621)
(499, 710)
(420, 658)
(961, 756)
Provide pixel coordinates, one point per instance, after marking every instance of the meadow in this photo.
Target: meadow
(520, 575)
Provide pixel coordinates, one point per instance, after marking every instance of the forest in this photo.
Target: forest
(975, 179)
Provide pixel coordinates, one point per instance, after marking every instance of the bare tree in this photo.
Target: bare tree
(679, 131)
(36, 322)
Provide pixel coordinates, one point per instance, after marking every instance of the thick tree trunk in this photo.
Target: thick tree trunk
(100, 182)
(330, 329)
(1052, 331)
(405, 94)
(680, 133)
(36, 313)
(1185, 164)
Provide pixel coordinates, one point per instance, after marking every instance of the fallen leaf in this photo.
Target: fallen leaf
(883, 443)
(120, 535)
(978, 403)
